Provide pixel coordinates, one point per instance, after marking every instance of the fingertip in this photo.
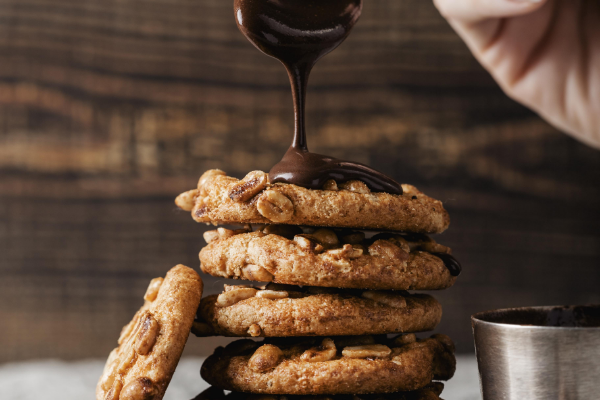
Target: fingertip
(478, 10)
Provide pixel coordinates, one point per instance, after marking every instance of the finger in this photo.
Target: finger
(479, 33)
(472, 11)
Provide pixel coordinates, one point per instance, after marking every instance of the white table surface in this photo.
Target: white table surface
(60, 380)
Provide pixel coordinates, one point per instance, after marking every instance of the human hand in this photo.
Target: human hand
(543, 53)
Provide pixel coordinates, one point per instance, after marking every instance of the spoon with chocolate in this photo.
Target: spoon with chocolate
(298, 33)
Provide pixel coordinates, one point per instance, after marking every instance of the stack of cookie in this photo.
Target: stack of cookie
(335, 266)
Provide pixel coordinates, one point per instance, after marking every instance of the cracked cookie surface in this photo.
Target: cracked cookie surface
(282, 310)
(150, 346)
(338, 365)
(429, 392)
(221, 199)
(328, 259)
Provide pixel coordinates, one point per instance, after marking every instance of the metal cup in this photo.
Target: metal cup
(543, 353)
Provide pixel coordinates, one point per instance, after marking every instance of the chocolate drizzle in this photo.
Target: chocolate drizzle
(298, 33)
(450, 262)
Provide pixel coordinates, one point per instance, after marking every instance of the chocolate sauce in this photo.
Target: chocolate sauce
(450, 262)
(298, 33)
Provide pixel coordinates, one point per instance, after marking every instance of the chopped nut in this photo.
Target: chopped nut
(147, 335)
(404, 339)
(287, 231)
(415, 240)
(305, 243)
(108, 377)
(407, 242)
(402, 243)
(330, 184)
(249, 187)
(225, 233)
(128, 329)
(205, 177)
(347, 251)
(126, 359)
(202, 329)
(389, 298)
(355, 186)
(433, 247)
(353, 238)
(186, 200)
(325, 352)
(367, 351)
(326, 237)
(256, 273)
(229, 288)
(387, 250)
(139, 389)
(211, 236)
(265, 358)
(153, 288)
(232, 297)
(115, 391)
(272, 294)
(275, 206)
(254, 330)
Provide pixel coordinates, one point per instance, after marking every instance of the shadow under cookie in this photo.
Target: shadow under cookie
(429, 392)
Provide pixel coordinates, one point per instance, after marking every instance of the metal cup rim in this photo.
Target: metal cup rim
(479, 318)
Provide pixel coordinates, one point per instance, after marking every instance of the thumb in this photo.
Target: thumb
(472, 11)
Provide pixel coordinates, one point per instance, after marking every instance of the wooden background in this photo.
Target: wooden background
(108, 109)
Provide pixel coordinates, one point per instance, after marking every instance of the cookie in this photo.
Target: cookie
(342, 365)
(281, 310)
(324, 258)
(429, 392)
(150, 346)
(221, 199)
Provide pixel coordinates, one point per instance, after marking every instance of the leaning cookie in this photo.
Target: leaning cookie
(281, 310)
(429, 392)
(221, 199)
(150, 346)
(342, 365)
(279, 254)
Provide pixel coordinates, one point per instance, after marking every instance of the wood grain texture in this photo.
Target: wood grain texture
(109, 109)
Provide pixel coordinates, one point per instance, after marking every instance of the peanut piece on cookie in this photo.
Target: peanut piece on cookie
(265, 358)
(275, 206)
(367, 351)
(147, 335)
(355, 186)
(250, 186)
(186, 200)
(256, 273)
(153, 288)
(232, 297)
(325, 352)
